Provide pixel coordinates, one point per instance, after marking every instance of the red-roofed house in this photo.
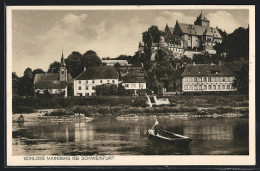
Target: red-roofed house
(207, 77)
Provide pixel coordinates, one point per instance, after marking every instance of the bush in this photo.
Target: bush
(60, 113)
(22, 109)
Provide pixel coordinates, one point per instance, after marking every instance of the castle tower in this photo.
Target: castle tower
(202, 21)
(63, 69)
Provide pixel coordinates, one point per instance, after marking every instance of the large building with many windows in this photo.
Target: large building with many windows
(85, 84)
(208, 78)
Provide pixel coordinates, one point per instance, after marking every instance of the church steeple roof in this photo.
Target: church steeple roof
(62, 60)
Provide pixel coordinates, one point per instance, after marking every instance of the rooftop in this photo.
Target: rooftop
(101, 72)
(206, 70)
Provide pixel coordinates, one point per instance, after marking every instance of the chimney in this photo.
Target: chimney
(219, 63)
(84, 68)
(194, 64)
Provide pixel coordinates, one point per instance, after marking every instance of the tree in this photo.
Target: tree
(54, 67)
(15, 82)
(167, 34)
(106, 89)
(161, 55)
(25, 83)
(73, 64)
(176, 34)
(37, 71)
(117, 65)
(90, 58)
(155, 33)
(201, 59)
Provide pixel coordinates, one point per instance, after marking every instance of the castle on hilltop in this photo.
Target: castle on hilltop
(198, 37)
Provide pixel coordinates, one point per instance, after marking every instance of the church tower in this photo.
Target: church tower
(202, 21)
(63, 70)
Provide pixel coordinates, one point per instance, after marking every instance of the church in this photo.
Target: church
(54, 83)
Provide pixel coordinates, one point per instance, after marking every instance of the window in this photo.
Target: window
(214, 87)
(223, 87)
(79, 88)
(199, 79)
(209, 79)
(86, 94)
(213, 79)
(191, 79)
(205, 79)
(195, 87)
(185, 87)
(205, 87)
(113, 81)
(94, 88)
(141, 86)
(79, 82)
(108, 81)
(86, 87)
(62, 72)
(223, 79)
(191, 87)
(195, 79)
(93, 81)
(218, 87)
(228, 87)
(200, 87)
(126, 85)
(100, 81)
(209, 87)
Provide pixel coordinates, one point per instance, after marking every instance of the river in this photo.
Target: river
(108, 136)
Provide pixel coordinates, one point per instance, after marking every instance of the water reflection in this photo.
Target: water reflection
(110, 136)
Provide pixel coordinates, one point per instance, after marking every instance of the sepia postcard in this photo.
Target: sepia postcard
(143, 85)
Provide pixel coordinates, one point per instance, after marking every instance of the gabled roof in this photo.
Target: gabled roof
(134, 77)
(202, 17)
(49, 77)
(101, 72)
(199, 30)
(206, 70)
(50, 85)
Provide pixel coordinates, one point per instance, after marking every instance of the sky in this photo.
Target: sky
(39, 36)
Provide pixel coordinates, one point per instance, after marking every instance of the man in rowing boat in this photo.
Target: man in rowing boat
(155, 127)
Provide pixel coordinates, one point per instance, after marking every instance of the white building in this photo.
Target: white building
(112, 62)
(85, 84)
(207, 78)
(134, 81)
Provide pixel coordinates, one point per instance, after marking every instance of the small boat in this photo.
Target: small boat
(169, 137)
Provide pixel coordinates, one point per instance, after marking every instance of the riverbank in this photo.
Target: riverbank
(186, 105)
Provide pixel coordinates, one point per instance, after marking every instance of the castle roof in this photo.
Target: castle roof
(101, 72)
(206, 70)
(199, 30)
(202, 17)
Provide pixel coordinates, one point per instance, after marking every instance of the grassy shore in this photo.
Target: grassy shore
(116, 106)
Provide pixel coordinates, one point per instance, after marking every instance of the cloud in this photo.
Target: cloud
(170, 18)
(223, 20)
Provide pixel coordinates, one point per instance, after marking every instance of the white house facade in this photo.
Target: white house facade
(207, 78)
(134, 81)
(85, 84)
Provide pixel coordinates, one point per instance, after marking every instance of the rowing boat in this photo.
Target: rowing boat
(169, 137)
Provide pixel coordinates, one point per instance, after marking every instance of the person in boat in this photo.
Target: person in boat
(155, 127)
(21, 118)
